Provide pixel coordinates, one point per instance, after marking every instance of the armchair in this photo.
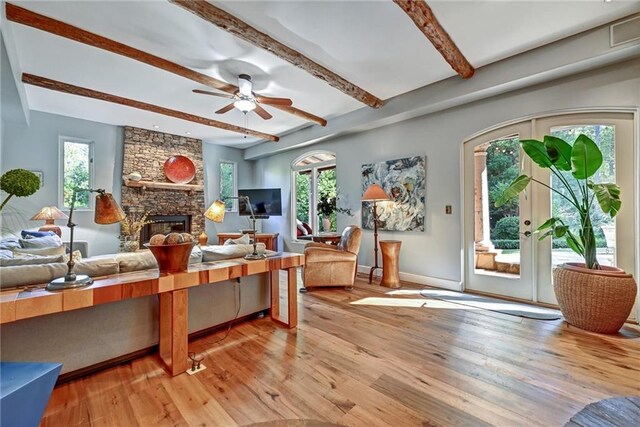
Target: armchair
(328, 265)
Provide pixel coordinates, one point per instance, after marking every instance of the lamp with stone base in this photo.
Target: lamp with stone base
(107, 211)
(49, 214)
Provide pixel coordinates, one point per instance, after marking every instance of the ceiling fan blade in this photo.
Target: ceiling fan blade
(225, 109)
(206, 92)
(274, 101)
(262, 112)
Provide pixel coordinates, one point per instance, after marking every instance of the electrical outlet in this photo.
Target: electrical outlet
(447, 209)
(195, 371)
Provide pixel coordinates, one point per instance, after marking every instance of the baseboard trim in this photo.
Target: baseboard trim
(418, 279)
(126, 358)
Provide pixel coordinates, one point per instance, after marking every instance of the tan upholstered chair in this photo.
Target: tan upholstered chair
(329, 265)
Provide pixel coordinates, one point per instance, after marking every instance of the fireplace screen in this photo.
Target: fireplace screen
(165, 224)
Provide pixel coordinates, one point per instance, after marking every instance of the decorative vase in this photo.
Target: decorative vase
(326, 224)
(135, 176)
(130, 244)
(203, 239)
(594, 300)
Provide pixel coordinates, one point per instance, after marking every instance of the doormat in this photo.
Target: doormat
(493, 304)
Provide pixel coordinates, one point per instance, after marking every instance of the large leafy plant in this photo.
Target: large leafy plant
(582, 160)
(19, 183)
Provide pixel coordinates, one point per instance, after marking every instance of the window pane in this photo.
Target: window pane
(227, 184)
(603, 225)
(496, 229)
(76, 173)
(303, 196)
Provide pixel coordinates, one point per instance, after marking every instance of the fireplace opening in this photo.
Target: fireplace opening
(165, 224)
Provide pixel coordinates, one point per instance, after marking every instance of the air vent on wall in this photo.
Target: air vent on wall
(625, 31)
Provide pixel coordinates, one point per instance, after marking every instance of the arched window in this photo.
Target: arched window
(313, 183)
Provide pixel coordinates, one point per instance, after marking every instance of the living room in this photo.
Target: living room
(429, 309)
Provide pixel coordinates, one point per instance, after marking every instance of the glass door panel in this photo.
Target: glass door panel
(497, 239)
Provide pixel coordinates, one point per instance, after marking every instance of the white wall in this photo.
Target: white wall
(36, 147)
(436, 252)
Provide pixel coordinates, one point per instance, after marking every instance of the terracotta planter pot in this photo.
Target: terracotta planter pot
(594, 300)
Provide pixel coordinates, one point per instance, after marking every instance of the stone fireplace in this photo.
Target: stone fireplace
(145, 152)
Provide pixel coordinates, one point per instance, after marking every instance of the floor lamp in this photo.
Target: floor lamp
(374, 193)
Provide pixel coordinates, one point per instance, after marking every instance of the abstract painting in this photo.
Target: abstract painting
(404, 180)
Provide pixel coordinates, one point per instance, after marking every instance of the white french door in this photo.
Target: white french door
(501, 256)
(508, 270)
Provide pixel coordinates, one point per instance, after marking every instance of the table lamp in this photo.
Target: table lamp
(49, 214)
(374, 193)
(107, 211)
(216, 211)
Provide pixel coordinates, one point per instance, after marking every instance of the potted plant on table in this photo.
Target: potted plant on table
(326, 207)
(592, 297)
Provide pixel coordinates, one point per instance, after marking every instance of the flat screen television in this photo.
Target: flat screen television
(264, 201)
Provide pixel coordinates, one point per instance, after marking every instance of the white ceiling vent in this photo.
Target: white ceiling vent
(625, 31)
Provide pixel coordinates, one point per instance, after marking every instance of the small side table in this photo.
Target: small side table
(390, 254)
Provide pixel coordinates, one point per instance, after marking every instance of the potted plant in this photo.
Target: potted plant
(592, 297)
(326, 207)
(19, 183)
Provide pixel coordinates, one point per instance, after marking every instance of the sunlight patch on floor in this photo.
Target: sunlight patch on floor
(411, 303)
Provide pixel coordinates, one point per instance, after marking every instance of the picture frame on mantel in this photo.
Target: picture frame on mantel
(40, 176)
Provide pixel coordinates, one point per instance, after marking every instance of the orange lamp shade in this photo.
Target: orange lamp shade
(374, 193)
(107, 210)
(216, 211)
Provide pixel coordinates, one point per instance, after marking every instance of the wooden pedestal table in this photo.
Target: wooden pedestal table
(390, 255)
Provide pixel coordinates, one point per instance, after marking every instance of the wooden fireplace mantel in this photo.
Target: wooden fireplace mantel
(143, 185)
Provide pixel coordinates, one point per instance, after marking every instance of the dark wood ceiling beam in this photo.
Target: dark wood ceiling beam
(102, 96)
(246, 32)
(24, 16)
(421, 15)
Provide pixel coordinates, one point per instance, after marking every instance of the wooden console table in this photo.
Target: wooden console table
(172, 290)
(270, 240)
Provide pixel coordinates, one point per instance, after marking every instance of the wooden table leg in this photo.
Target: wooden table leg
(173, 331)
(292, 297)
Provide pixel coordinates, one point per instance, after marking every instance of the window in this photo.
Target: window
(76, 171)
(228, 185)
(314, 190)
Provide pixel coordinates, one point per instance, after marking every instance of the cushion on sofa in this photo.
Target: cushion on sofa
(217, 253)
(28, 233)
(60, 250)
(134, 261)
(29, 259)
(242, 240)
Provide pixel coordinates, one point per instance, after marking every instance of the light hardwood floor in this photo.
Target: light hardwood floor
(368, 358)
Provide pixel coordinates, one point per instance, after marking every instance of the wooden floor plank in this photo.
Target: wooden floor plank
(371, 357)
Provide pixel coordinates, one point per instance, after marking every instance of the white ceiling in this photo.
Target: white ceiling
(371, 43)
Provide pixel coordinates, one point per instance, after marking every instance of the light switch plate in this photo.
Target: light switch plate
(447, 209)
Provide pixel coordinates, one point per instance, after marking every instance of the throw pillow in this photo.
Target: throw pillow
(301, 228)
(6, 254)
(61, 250)
(10, 243)
(307, 227)
(28, 233)
(77, 256)
(50, 241)
(244, 240)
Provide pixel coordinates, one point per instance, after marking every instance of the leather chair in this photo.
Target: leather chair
(329, 265)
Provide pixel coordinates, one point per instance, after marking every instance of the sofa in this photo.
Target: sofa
(97, 335)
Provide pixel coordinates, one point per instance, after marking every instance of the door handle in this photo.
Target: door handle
(526, 233)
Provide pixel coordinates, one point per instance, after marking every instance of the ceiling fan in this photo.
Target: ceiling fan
(245, 100)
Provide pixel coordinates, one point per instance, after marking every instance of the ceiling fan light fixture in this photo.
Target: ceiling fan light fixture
(245, 105)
